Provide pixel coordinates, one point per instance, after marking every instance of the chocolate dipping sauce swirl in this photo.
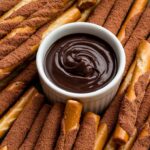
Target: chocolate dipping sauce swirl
(81, 63)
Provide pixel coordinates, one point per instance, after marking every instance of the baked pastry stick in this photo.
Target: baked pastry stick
(36, 128)
(134, 95)
(69, 125)
(110, 117)
(117, 15)
(143, 140)
(141, 32)
(22, 125)
(86, 13)
(144, 110)
(85, 4)
(131, 20)
(100, 13)
(50, 130)
(16, 87)
(7, 120)
(18, 16)
(5, 5)
(30, 25)
(29, 48)
(87, 133)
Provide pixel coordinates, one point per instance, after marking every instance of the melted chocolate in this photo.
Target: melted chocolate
(81, 63)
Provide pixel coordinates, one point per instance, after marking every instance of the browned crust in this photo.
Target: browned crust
(6, 5)
(49, 134)
(129, 110)
(144, 109)
(22, 125)
(87, 134)
(11, 93)
(117, 15)
(35, 130)
(141, 32)
(101, 12)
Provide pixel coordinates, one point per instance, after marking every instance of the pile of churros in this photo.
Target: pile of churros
(28, 122)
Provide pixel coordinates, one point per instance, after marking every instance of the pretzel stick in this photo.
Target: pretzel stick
(6, 5)
(131, 20)
(69, 125)
(86, 13)
(141, 32)
(143, 139)
(117, 15)
(101, 12)
(7, 120)
(35, 130)
(144, 110)
(87, 133)
(85, 4)
(29, 48)
(11, 93)
(134, 95)
(110, 117)
(130, 143)
(20, 15)
(50, 130)
(30, 26)
(22, 125)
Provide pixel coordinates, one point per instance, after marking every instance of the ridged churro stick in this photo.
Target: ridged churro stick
(87, 133)
(50, 130)
(110, 117)
(144, 109)
(69, 125)
(101, 12)
(141, 32)
(117, 15)
(11, 93)
(30, 25)
(85, 4)
(20, 15)
(131, 20)
(29, 48)
(143, 140)
(36, 128)
(5, 5)
(134, 96)
(86, 13)
(7, 120)
(22, 125)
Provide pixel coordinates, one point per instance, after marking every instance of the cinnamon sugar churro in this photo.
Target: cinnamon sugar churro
(7, 120)
(30, 26)
(141, 32)
(50, 130)
(131, 20)
(35, 130)
(87, 134)
(11, 93)
(22, 125)
(69, 125)
(85, 4)
(5, 5)
(134, 96)
(101, 12)
(117, 15)
(29, 48)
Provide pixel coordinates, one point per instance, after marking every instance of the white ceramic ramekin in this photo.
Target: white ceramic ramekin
(95, 101)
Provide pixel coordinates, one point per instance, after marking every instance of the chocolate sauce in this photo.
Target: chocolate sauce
(81, 63)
